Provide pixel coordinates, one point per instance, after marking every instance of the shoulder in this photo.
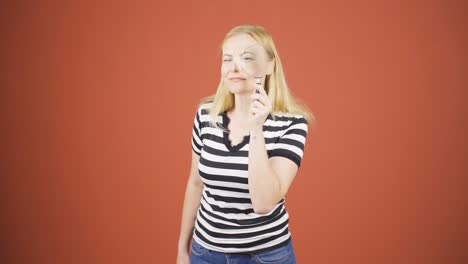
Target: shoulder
(203, 108)
(203, 115)
(288, 119)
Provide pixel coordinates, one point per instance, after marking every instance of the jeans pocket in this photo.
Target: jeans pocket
(275, 256)
(198, 249)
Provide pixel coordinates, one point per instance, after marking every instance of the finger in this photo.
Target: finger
(258, 104)
(257, 111)
(257, 96)
(262, 98)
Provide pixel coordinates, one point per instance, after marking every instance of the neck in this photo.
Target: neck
(241, 106)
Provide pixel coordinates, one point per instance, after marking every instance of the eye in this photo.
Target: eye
(226, 60)
(248, 59)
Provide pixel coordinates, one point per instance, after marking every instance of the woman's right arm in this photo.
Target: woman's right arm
(193, 193)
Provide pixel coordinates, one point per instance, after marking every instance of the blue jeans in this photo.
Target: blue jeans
(281, 255)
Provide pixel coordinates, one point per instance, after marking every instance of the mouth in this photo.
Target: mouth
(237, 79)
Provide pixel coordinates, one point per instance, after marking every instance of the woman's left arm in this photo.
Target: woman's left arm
(269, 178)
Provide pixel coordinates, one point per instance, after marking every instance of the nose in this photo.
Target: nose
(236, 65)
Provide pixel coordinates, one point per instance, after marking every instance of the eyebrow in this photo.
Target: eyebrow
(241, 53)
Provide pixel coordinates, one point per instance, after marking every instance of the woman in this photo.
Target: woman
(248, 141)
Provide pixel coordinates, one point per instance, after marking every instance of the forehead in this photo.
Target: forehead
(240, 43)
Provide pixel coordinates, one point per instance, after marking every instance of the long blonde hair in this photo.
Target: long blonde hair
(275, 83)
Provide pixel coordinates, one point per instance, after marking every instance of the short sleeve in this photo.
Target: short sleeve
(197, 143)
(291, 144)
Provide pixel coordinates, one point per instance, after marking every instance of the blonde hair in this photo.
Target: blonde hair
(275, 83)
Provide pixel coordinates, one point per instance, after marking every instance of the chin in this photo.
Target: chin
(238, 89)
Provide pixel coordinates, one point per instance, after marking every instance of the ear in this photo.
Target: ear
(270, 67)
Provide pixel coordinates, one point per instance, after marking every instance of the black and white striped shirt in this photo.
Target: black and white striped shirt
(226, 221)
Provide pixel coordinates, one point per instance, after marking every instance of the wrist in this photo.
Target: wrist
(183, 246)
(256, 131)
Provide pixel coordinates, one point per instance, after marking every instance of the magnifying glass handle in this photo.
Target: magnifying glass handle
(258, 81)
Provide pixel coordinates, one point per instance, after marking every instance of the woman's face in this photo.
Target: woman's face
(242, 59)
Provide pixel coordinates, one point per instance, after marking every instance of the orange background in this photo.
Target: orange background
(98, 100)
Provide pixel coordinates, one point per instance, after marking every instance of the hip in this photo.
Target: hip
(283, 254)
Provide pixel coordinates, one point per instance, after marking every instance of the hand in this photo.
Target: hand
(183, 258)
(259, 108)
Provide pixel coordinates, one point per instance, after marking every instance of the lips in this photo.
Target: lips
(237, 79)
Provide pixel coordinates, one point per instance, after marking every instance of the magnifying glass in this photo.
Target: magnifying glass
(250, 65)
(252, 68)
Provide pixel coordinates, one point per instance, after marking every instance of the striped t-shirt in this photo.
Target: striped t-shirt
(226, 221)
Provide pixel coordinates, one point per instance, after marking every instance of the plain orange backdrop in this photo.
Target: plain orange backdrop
(98, 100)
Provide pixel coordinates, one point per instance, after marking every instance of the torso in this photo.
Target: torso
(226, 202)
